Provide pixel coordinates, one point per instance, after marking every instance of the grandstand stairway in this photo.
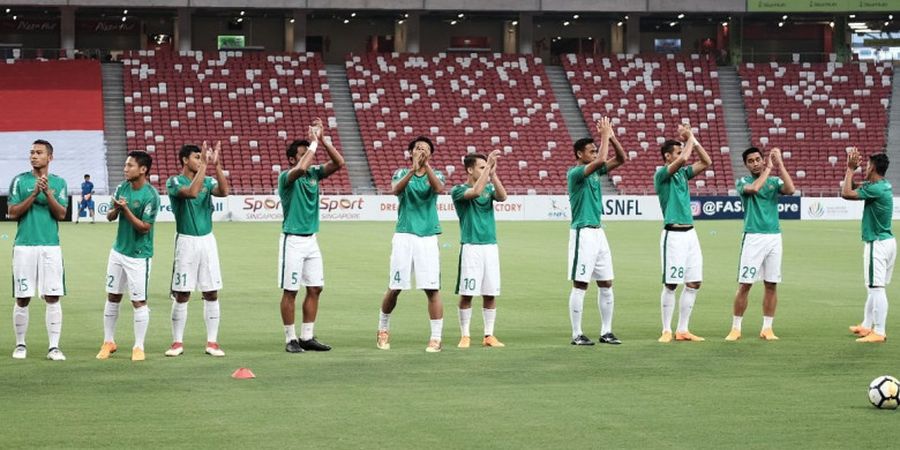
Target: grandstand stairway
(571, 114)
(348, 131)
(893, 130)
(113, 123)
(735, 117)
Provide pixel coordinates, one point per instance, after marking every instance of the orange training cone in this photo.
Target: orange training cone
(243, 374)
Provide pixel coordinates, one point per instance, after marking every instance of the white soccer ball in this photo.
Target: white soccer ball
(884, 392)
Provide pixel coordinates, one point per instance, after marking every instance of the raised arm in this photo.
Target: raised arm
(499, 190)
(336, 161)
(436, 184)
(57, 210)
(686, 136)
(482, 181)
(847, 191)
(619, 157)
(704, 160)
(222, 187)
(306, 160)
(19, 209)
(605, 129)
(788, 187)
(397, 187)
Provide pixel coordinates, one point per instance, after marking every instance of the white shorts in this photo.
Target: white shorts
(38, 267)
(682, 261)
(415, 253)
(760, 258)
(878, 262)
(479, 270)
(299, 262)
(196, 264)
(124, 271)
(589, 255)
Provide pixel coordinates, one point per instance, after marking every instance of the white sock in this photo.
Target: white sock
(767, 322)
(53, 319)
(179, 320)
(576, 307)
(306, 330)
(667, 306)
(867, 312)
(686, 305)
(141, 323)
(879, 310)
(110, 316)
(490, 316)
(465, 318)
(437, 327)
(20, 323)
(606, 302)
(211, 316)
(384, 321)
(290, 334)
(736, 322)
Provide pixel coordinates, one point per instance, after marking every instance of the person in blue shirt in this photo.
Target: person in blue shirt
(87, 198)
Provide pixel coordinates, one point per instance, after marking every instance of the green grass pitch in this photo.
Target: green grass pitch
(806, 390)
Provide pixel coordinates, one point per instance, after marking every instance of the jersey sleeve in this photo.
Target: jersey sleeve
(398, 175)
(211, 183)
(739, 185)
(868, 190)
(688, 172)
(151, 209)
(15, 193)
(603, 170)
(62, 193)
(173, 186)
(575, 175)
(439, 175)
(283, 185)
(317, 172)
(458, 192)
(661, 175)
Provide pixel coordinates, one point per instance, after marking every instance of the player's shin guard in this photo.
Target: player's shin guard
(606, 303)
(110, 316)
(465, 319)
(20, 323)
(211, 316)
(53, 319)
(576, 308)
(179, 320)
(879, 309)
(141, 323)
(667, 306)
(688, 296)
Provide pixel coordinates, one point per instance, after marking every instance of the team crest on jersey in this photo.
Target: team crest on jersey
(135, 204)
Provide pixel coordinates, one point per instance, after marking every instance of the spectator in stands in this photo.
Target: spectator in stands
(87, 198)
(682, 261)
(590, 257)
(299, 257)
(415, 244)
(880, 247)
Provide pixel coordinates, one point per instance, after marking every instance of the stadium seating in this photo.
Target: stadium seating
(464, 103)
(814, 112)
(254, 103)
(647, 96)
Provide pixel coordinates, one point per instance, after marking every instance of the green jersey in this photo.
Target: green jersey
(37, 226)
(674, 195)
(193, 216)
(300, 201)
(476, 216)
(878, 211)
(761, 209)
(585, 196)
(144, 204)
(418, 205)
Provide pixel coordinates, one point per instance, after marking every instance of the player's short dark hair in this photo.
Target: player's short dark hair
(749, 152)
(142, 159)
(668, 147)
(581, 144)
(45, 144)
(87, 175)
(186, 151)
(294, 148)
(412, 143)
(881, 163)
(469, 160)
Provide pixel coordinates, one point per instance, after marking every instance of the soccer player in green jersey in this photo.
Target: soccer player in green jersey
(136, 204)
(590, 257)
(761, 243)
(299, 258)
(479, 258)
(415, 244)
(37, 201)
(196, 263)
(879, 245)
(682, 261)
